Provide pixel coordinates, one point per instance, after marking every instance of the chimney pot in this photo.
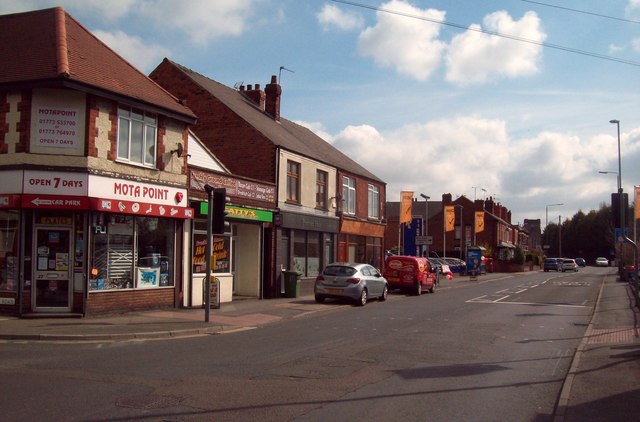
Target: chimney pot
(273, 92)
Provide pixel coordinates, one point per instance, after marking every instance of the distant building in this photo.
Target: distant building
(496, 234)
(535, 233)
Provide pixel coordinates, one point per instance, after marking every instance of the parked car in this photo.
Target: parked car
(410, 273)
(457, 266)
(602, 262)
(569, 264)
(442, 268)
(581, 262)
(552, 264)
(357, 282)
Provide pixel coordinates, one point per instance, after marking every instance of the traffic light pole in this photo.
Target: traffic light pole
(208, 252)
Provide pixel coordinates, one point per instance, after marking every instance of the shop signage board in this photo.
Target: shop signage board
(57, 127)
(235, 187)
(131, 197)
(241, 213)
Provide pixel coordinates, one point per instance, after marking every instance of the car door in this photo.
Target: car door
(373, 281)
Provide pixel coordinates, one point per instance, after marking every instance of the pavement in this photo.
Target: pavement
(603, 382)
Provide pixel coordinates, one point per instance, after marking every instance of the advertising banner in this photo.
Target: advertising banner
(406, 200)
(449, 217)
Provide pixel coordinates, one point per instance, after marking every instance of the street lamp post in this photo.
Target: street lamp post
(546, 221)
(622, 222)
(620, 199)
(613, 172)
(425, 228)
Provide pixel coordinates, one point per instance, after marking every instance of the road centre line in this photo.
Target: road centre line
(562, 305)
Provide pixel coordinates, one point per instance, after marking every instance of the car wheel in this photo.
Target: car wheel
(319, 299)
(417, 289)
(363, 298)
(433, 288)
(385, 293)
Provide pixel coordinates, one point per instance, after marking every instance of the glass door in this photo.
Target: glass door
(52, 270)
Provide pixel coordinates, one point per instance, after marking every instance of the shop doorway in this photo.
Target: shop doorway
(52, 269)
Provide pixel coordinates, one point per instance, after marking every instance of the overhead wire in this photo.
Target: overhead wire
(600, 15)
(494, 33)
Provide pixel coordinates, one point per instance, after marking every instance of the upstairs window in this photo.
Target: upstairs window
(321, 189)
(374, 201)
(293, 182)
(137, 136)
(348, 195)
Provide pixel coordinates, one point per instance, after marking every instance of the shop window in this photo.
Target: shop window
(9, 224)
(137, 136)
(321, 189)
(293, 182)
(313, 254)
(348, 195)
(374, 201)
(220, 248)
(299, 252)
(374, 251)
(132, 252)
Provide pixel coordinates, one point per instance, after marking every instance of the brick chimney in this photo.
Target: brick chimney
(255, 95)
(273, 92)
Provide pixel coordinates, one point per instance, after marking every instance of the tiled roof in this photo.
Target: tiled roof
(285, 133)
(49, 45)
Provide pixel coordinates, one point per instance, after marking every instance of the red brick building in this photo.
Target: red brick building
(496, 234)
(323, 196)
(93, 199)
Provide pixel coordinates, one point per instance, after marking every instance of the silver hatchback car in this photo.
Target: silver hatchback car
(357, 282)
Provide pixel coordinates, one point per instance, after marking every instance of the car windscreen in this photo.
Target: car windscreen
(339, 271)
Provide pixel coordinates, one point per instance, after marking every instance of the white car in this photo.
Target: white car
(569, 265)
(602, 262)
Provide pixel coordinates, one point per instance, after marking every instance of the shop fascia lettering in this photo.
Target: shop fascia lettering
(127, 190)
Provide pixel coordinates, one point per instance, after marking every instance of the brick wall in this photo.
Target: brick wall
(129, 300)
(240, 147)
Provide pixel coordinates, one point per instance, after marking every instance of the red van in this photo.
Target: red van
(411, 273)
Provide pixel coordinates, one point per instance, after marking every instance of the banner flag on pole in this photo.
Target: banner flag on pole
(636, 190)
(479, 221)
(406, 200)
(449, 217)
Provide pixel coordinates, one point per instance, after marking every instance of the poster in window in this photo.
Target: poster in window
(222, 252)
(148, 277)
(199, 252)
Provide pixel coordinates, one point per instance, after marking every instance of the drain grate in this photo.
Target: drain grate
(149, 401)
(613, 336)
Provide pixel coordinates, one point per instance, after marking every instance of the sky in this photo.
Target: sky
(509, 99)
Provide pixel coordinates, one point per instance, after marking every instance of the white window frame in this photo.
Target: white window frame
(374, 201)
(348, 195)
(146, 138)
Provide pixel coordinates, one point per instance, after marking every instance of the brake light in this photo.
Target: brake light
(353, 280)
(319, 278)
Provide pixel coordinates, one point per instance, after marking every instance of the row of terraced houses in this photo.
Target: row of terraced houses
(102, 201)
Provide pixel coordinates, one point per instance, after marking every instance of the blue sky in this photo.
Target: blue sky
(428, 107)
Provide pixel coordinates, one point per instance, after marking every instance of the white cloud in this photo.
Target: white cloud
(333, 17)
(633, 9)
(474, 57)
(408, 45)
(141, 55)
(635, 44)
(614, 49)
(435, 157)
(201, 20)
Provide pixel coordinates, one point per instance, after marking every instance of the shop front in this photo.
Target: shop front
(237, 255)
(240, 256)
(307, 244)
(84, 243)
(361, 242)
